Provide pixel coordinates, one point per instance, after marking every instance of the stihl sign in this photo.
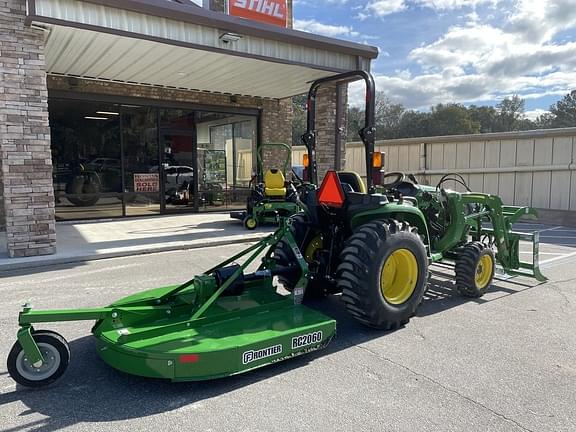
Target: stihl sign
(268, 11)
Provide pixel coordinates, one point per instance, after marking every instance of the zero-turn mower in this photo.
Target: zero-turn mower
(272, 198)
(373, 248)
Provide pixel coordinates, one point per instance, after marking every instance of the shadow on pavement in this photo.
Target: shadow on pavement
(93, 392)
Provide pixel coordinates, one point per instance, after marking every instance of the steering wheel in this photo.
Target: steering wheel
(397, 178)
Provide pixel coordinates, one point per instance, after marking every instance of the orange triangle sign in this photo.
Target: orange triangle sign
(331, 193)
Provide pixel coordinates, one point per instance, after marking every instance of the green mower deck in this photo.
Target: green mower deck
(237, 334)
(221, 323)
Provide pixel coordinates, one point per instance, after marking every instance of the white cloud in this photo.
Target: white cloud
(539, 20)
(534, 114)
(380, 8)
(454, 4)
(479, 61)
(313, 26)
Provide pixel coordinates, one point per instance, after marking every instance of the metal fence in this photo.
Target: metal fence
(533, 168)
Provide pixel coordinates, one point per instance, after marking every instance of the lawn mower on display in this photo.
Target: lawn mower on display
(272, 198)
(372, 248)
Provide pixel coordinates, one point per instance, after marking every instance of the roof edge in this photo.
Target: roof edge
(222, 21)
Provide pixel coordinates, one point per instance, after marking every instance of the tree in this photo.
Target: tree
(545, 121)
(414, 124)
(388, 117)
(564, 111)
(355, 123)
(485, 116)
(510, 111)
(452, 119)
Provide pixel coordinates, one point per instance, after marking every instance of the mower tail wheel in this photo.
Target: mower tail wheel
(250, 222)
(56, 353)
(474, 269)
(383, 273)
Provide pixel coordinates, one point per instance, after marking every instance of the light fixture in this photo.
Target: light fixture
(95, 118)
(107, 113)
(230, 37)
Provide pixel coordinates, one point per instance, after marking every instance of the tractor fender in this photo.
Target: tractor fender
(400, 212)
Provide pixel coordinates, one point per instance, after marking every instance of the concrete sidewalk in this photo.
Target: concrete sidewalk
(84, 241)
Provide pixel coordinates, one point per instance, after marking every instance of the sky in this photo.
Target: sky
(464, 51)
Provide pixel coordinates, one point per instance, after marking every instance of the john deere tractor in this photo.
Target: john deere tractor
(375, 248)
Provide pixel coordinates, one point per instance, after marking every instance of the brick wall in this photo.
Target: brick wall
(326, 128)
(24, 136)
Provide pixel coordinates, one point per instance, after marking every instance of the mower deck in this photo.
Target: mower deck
(236, 334)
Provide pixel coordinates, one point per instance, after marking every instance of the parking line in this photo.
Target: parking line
(551, 260)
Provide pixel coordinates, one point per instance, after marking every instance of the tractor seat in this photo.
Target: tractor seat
(274, 183)
(352, 179)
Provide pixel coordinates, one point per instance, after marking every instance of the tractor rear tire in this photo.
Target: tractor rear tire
(474, 269)
(285, 257)
(383, 273)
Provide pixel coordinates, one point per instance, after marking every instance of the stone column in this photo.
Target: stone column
(276, 126)
(290, 11)
(25, 136)
(328, 127)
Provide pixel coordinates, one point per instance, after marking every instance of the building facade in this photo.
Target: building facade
(126, 108)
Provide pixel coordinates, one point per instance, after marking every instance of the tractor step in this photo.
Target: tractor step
(221, 344)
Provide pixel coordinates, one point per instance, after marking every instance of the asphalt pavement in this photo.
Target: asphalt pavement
(505, 362)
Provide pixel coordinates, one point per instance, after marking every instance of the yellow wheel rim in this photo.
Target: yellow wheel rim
(315, 245)
(484, 271)
(251, 223)
(399, 276)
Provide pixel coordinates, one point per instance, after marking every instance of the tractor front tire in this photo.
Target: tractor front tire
(383, 273)
(474, 269)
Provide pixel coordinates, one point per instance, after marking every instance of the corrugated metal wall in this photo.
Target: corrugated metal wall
(534, 168)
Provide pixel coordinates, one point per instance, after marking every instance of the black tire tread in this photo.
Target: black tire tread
(465, 269)
(40, 336)
(357, 261)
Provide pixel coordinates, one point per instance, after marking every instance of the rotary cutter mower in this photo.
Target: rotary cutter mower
(370, 242)
(221, 323)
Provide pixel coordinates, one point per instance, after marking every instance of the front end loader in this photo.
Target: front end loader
(373, 248)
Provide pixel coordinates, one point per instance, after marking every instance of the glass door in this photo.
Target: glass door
(178, 170)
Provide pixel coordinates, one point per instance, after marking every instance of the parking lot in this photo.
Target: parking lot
(505, 362)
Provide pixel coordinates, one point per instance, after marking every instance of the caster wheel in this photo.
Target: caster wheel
(56, 353)
(250, 223)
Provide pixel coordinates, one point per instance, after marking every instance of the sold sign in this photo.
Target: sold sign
(267, 11)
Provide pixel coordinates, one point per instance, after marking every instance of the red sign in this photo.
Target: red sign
(146, 182)
(268, 11)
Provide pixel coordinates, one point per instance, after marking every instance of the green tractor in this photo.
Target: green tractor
(272, 198)
(373, 248)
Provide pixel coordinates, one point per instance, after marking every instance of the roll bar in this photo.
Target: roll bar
(367, 133)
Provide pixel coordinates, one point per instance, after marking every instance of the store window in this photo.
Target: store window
(87, 168)
(115, 160)
(141, 160)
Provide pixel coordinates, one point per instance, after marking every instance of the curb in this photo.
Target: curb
(118, 254)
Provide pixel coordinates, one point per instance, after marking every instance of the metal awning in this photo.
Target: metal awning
(179, 46)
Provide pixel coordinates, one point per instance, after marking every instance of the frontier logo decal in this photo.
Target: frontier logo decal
(252, 356)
